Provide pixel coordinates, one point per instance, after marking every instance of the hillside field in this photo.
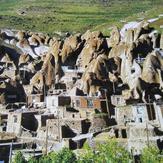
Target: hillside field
(52, 16)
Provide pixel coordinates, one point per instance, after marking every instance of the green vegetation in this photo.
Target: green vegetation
(73, 15)
(19, 158)
(108, 152)
(151, 155)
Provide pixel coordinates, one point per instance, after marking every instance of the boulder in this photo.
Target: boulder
(71, 49)
(38, 38)
(48, 70)
(114, 37)
(129, 37)
(55, 49)
(143, 28)
(20, 35)
(161, 42)
(90, 35)
(95, 75)
(152, 68)
(92, 48)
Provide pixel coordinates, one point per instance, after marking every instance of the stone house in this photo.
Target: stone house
(58, 129)
(68, 112)
(136, 113)
(139, 117)
(42, 120)
(17, 122)
(55, 101)
(35, 98)
(118, 100)
(85, 102)
(3, 121)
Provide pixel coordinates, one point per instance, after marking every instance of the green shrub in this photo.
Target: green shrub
(19, 158)
(107, 152)
(151, 155)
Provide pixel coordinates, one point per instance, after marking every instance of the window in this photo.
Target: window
(33, 97)
(53, 102)
(118, 100)
(124, 133)
(78, 103)
(15, 119)
(90, 103)
(140, 110)
(140, 120)
(88, 114)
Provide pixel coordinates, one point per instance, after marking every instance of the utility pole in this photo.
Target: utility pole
(23, 72)
(10, 154)
(147, 134)
(46, 141)
(44, 92)
(59, 134)
(150, 108)
(113, 87)
(107, 105)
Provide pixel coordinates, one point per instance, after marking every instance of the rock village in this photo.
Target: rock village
(63, 92)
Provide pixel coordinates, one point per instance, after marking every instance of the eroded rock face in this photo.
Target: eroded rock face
(55, 49)
(46, 76)
(71, 49)
(20, 35)
(128, 62)
(96, 75)
(152, 68)
(161, 42)
(24, 59)
(94, 46)
(135, 46)
(115, 37)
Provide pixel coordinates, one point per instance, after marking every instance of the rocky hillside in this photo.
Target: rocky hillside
(129, 62)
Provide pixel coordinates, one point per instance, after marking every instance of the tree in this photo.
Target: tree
(19, 158)
(151, 155)
(63, 156)
(45, 159)
(33, 160)
(106, 152)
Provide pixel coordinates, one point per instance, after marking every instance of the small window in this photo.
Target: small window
(88, 114)
(124, 133)
(33, 97)
(53, 102)
(90, 103)
(139, 110)
(78, 103)
(140, 120)
(118, 100)
(132, 71)
(15, 119)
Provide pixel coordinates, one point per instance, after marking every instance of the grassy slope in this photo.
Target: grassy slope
(73, 15)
